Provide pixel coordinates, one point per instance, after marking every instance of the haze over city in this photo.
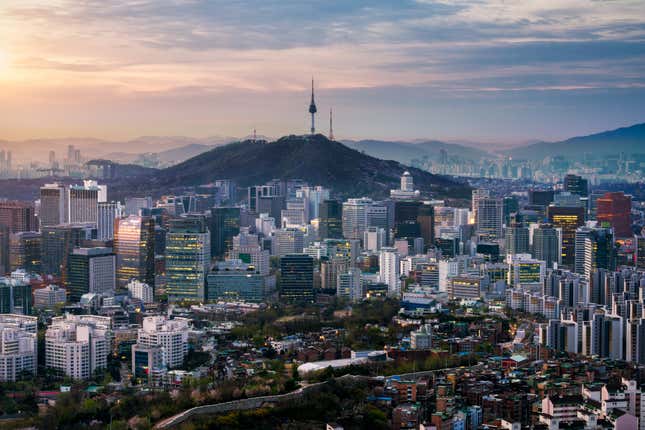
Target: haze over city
(488, 71)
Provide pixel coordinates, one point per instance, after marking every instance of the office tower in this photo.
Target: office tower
(91, 270)
(49, 297)
(287, 241)
(247, 248)
(5, 256)
(133, 205)
(517, 240)
(582, 233)
(464, 287)
(54, 208)
(235, 280)
(58, 242)
(567, 219)
(268, 198)
(314, 197)
(389, 270)
(18, 216)
(425, 219)
(77, 345)
(84, 200)
(297, 277)
(224, 224)
(332, 266)
(567, 199)
(374, 239)
(615, 210)
(489, 218)
(188, 256)
(15, 297)
(25, 249)
(640, 251)
(478, 194)
(546, 244)
(135, 250)
(576, 185)
(265, 225)
(406, 218)
(330, 219)
(541, 197)
(599, 251)
(170, 335)
(18, 347)
(524, 271)
(348, 285)
(296, 213)
(108, 213)
(354, 218)
(141, 290)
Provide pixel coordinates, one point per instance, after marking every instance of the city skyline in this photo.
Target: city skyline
(487, 72)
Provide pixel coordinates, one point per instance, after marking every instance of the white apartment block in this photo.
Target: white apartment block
(18, 346)
(170, 335)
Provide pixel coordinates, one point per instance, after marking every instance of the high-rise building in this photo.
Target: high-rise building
(541, 197)
(91, 270)
(464, 287)
(297, 277)
(234, 280)
(18, 216)
(83, 201)
(18, 347)
(135, 250)
(546, 244)
(54, 208)
(15, 297)
(389, 270)
(640, 252)
(108, 213)
(49, 296)
(517, 240)
(477, 194)
(354, 219)
(188, 256)
(296, 213)
(141, 290)
(77, 345)
(5, 259)
(406, 218)
(567, 219)
(425, 218)
(25, 249)
(58, 242)
(224, 225)
(374, 239)
(247, 248)
(133, 205)
(170, 335)
(330, 219)
(489, 218)
(599, 251)
(287, 241)
(348, 285)
(314, 197)
(576, 185)
(615, 210)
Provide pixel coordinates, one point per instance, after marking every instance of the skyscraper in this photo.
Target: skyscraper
(224, 225)
(297, 277)
(330, 219)
(354, 218)
(287, 241)
(53, 205)
(4, 249)
(84, 200)
(108, 213)
(517, 240)
(576, 185)
(134, 249)
(490, 213)
(599, 251)
(18, 216)
(477, 194)
(188, 256)
(389, 270)
(546, 244)
(615, 210)
(25, 250)
(568, 219)
(91, 270)
(58, 242)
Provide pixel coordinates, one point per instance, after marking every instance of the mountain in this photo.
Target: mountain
(405, 152)
(630, 140)
(314, 159)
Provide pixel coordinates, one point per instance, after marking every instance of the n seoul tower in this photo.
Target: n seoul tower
(312, 108)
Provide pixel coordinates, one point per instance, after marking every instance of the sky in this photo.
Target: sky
(494, 71)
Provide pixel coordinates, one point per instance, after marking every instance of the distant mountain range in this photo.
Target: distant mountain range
(405, 152)
(314, 159)
(629, 140)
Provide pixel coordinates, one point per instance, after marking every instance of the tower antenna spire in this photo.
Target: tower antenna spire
(312, 108)
(331, 126)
